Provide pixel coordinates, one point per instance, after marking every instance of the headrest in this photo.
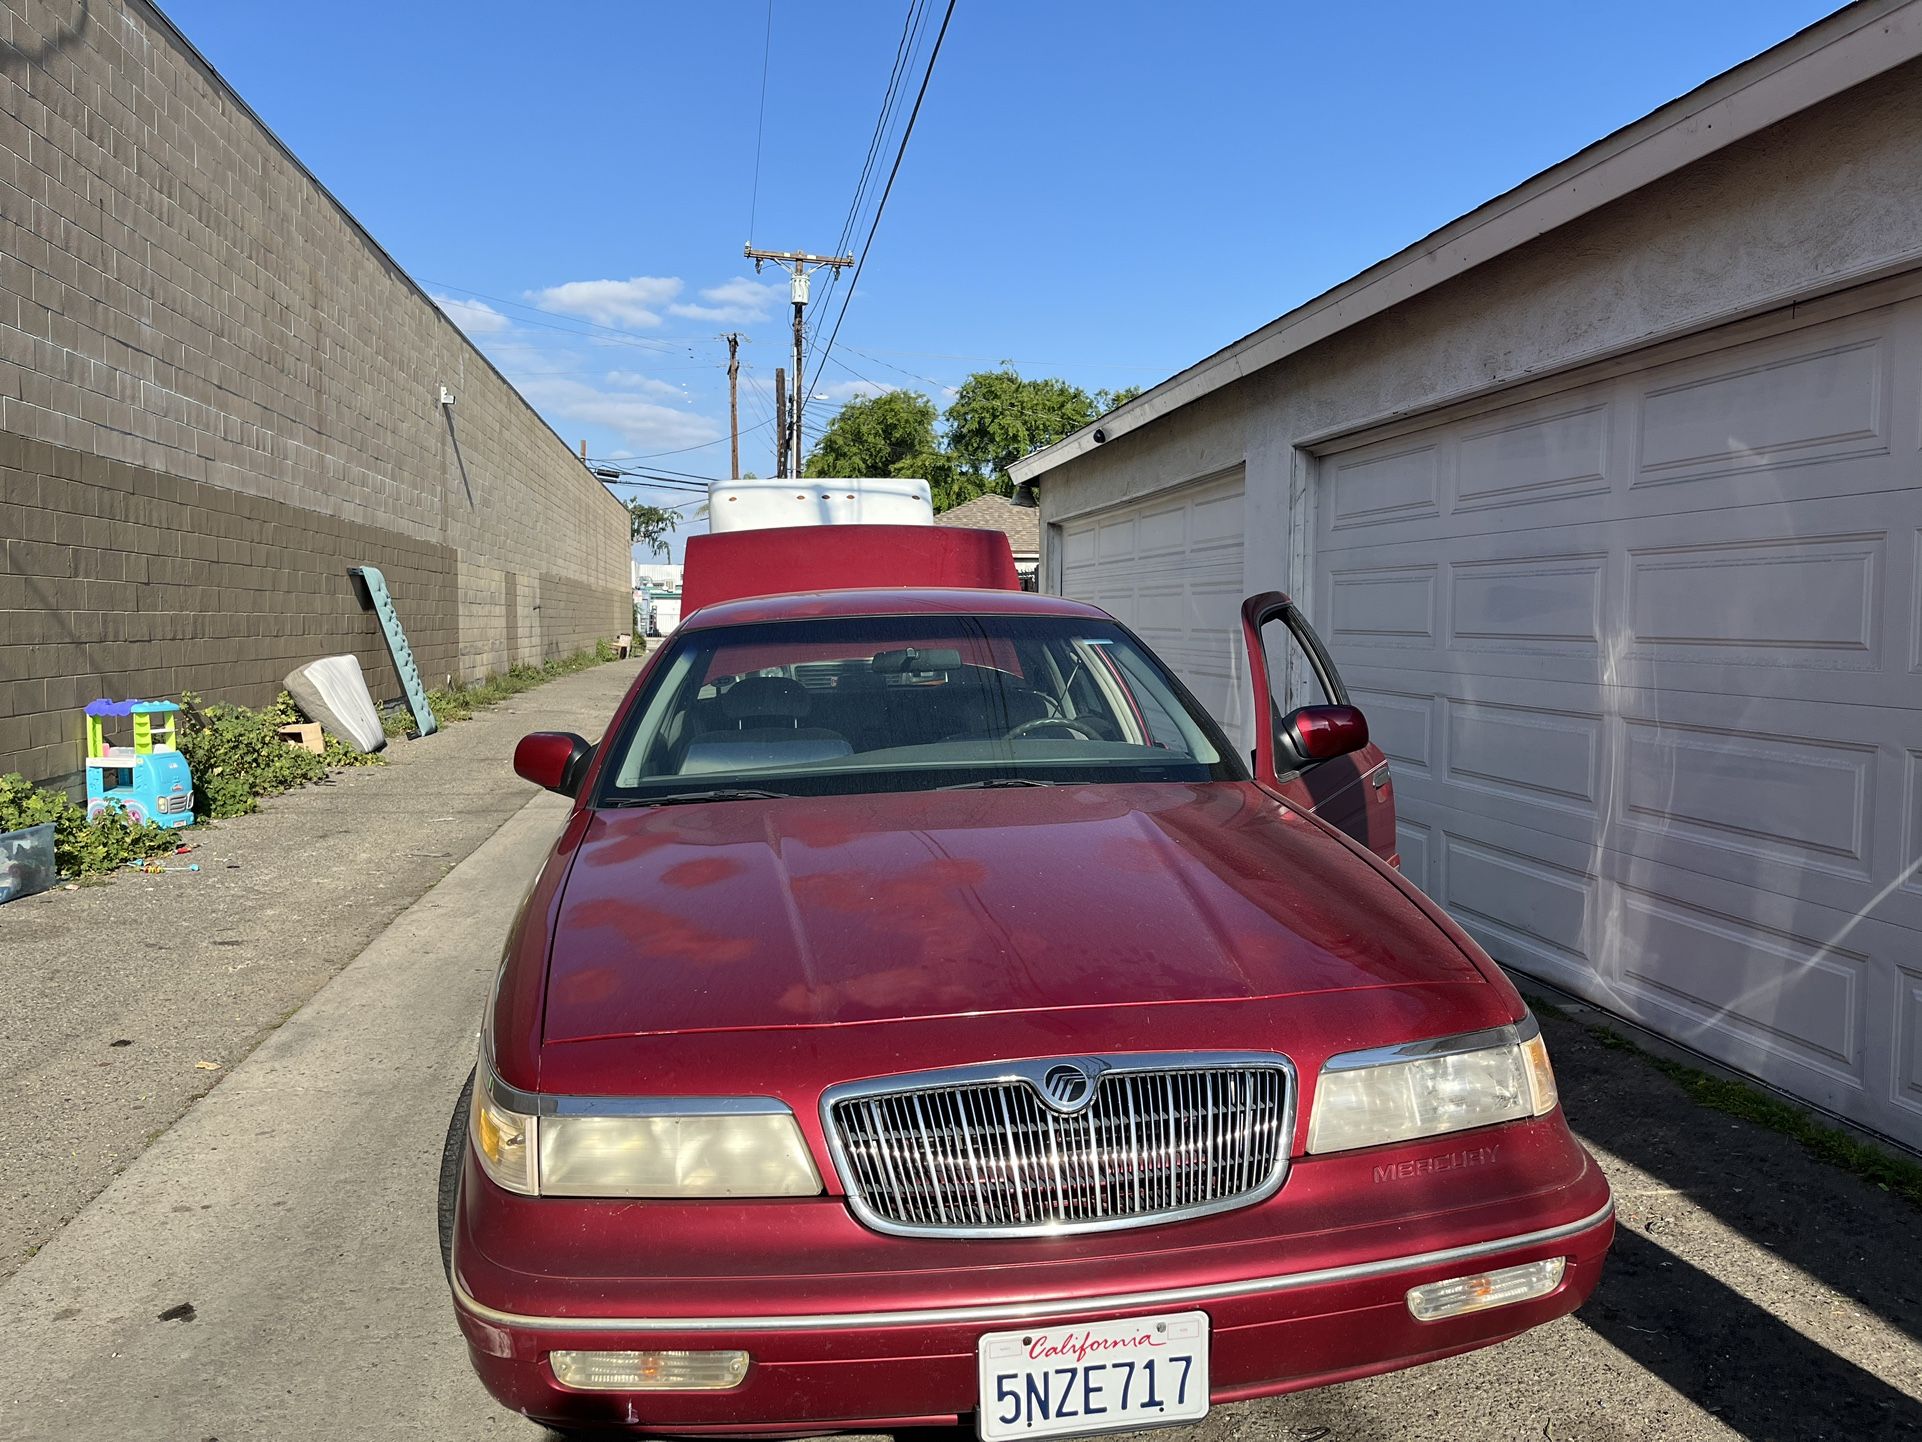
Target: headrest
(765, 696)
(909, 659)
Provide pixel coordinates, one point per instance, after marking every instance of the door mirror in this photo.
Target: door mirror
(556, 760)
(1321, 733)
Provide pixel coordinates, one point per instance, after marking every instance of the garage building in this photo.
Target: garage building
(1607, 499)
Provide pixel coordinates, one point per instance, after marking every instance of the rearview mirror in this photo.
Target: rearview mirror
(556, 760)
(1320, 733)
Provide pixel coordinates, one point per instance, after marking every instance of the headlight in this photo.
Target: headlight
(745, 1147)
(641, 1147)
(1396, 1094)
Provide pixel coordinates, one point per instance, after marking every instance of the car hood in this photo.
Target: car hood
(825, 911)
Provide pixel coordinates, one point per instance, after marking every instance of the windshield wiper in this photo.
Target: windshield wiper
(689, 798)
(997, 781)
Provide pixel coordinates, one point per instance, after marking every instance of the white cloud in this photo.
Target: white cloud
(472, 316)
(733, 302)
(634, 302)
(850, 391)
(645, 385)
(643, 424)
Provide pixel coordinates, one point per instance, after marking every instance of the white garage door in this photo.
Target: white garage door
(1169, 569)
(1647, 656)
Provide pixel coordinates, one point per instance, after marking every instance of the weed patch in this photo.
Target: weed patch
(1752, 1104)
(1825, 1143)
(457, 703)
(237, 754)
(80, 847)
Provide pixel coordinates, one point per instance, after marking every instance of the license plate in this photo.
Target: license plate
(1094, 1377)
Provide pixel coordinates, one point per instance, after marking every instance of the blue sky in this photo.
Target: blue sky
(1104, 190)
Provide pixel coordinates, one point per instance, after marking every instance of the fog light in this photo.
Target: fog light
(649, 1371)
(1486, 1289)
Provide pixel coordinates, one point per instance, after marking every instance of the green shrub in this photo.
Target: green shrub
(457, 703)
(80, 847)
(237, 754)
(339, 755)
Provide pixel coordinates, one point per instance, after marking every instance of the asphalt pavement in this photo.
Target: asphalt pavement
(268, 1268)
(121, 1005)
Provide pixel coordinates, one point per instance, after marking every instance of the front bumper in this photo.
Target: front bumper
(1291, 1306)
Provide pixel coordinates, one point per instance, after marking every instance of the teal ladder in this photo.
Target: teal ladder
(381, 602)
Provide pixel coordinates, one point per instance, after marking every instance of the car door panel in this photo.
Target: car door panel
(1354, 792)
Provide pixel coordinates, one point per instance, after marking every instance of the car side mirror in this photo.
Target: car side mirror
(556, 760)
(1320, 733)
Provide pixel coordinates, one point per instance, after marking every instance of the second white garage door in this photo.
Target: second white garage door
(1647, 657)
(1169, 568)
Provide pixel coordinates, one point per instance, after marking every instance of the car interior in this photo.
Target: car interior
(889, 696)
(896, 698)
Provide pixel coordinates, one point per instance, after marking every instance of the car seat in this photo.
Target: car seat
(761, 727)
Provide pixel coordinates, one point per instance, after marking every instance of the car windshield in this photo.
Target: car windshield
(892, 703)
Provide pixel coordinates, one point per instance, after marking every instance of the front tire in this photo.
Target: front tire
(452, 1153)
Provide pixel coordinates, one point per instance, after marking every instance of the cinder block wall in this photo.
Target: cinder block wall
(217, 393)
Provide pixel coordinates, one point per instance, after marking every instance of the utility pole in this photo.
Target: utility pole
(780, 421)
(804, 267)
(733, 339)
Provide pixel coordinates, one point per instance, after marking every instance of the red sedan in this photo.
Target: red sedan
(924, 1015)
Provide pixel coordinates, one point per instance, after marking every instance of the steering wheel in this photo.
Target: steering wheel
(1081, 729)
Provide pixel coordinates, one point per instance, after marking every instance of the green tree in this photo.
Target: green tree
(997, 417)
(649, 525)
(1105, 401)
(891, 434)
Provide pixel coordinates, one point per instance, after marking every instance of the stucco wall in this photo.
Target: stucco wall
(217, 393)
(1829, 195)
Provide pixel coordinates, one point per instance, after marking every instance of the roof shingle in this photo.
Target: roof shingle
(1020, 524)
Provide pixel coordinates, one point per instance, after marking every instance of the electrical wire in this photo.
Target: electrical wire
(681, 451)
(883, 121)
(760, 124)
(909, 27)
(888, 190)
(898, 370)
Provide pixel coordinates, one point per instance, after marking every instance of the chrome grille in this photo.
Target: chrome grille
(983, 1150)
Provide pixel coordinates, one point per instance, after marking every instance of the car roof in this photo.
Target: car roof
(893, 601)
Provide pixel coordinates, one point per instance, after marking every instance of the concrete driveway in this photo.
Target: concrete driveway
(268, 1268)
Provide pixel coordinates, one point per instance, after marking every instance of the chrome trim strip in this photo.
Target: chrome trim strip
(572, 1106)
(1062, 1307)
(546, 1104)
(1512, 1035)
(1033, 1071)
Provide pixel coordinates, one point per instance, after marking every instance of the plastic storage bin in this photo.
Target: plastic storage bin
(26, 861)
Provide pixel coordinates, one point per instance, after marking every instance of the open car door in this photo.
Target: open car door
(1311, 744)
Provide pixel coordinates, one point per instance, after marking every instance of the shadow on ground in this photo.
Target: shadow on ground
(1846, 1234)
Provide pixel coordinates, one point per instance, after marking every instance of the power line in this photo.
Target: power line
(640, 478)
(888, 190)
(1006, 360)
(627, 463)
(760, 124)
(903, 50)
(898, 370)
(681, 451)
(904, 56)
